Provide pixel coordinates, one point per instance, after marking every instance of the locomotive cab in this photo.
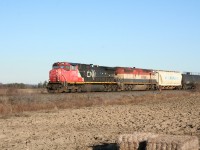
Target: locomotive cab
(61, 75)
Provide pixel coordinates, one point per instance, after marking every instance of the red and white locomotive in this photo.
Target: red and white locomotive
(76, 77)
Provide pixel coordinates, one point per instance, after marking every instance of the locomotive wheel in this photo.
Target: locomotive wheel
(126, 88)
(74, 90)
(184, 87)
(107, 88)
(114, 88)
(79, 90)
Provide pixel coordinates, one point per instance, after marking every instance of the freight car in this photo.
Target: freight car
(190, 80)
(76, 77)
(169, 79)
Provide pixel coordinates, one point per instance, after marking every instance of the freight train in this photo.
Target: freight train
(77, 77)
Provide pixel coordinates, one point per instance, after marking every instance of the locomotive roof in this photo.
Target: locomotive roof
(107, 67)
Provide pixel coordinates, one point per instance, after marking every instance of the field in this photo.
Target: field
(33, 119)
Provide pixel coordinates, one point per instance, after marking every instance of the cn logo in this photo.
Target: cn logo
(91, 73)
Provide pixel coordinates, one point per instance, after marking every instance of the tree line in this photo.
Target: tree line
(24, 86)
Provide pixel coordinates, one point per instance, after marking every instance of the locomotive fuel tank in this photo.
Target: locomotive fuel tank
(92, 88)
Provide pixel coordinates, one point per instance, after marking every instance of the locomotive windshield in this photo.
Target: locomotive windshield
(57, 66)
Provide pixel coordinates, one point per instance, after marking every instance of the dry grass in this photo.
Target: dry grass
(197, 88)
(15, 91)
(14, 101)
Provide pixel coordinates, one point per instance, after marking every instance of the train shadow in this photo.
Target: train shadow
(106, 146)
(114, 146)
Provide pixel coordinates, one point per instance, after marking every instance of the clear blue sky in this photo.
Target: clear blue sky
(162, 34)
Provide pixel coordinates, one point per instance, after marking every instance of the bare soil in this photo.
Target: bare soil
(77, 125)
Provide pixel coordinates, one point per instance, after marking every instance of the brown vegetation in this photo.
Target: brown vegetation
(14, 101)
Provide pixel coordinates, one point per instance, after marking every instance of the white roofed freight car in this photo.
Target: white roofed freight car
(169, 79)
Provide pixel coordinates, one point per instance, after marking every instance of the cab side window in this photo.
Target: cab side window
(73, 68)
(67, 68)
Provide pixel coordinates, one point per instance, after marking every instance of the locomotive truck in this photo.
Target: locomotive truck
(77, 77)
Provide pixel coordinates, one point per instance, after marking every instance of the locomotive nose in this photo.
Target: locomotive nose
(55, 75)
(58, 74)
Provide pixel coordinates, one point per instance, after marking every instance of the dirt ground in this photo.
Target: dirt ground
(82, 128)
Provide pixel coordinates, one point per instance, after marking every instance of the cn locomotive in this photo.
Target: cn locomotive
(77, 77)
